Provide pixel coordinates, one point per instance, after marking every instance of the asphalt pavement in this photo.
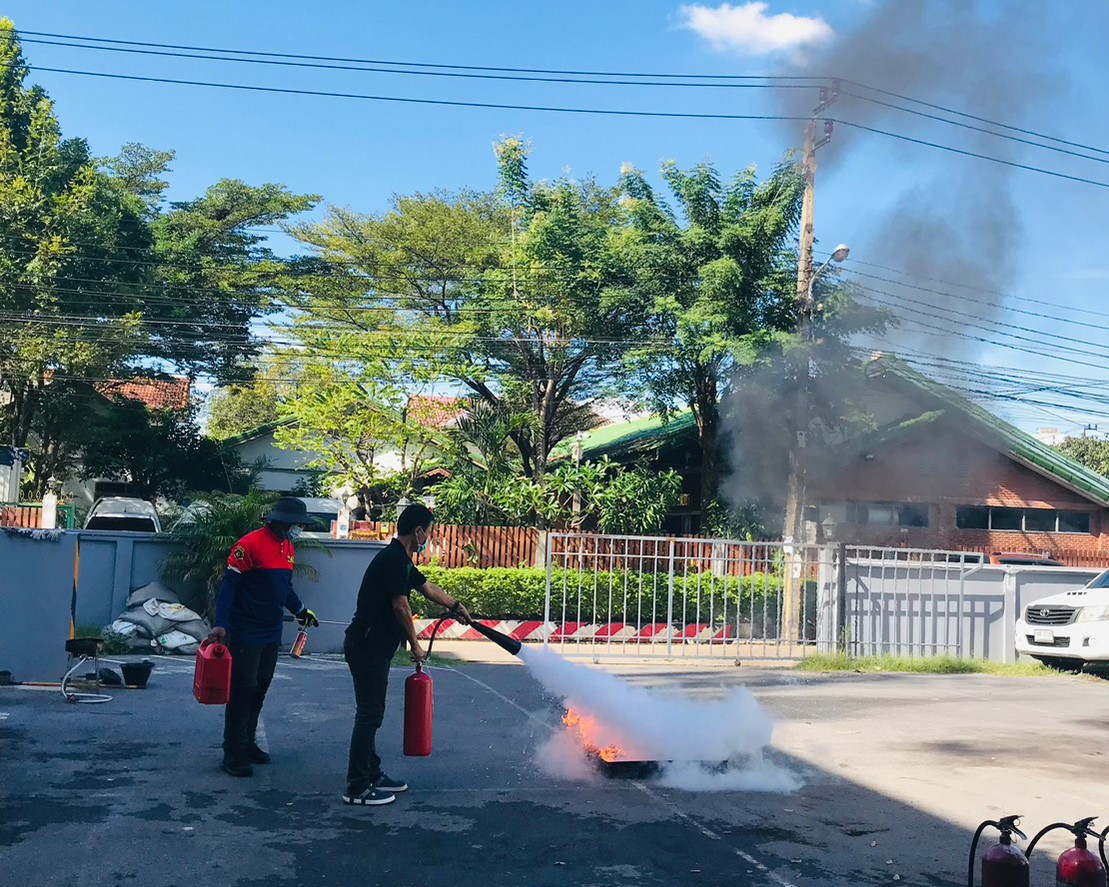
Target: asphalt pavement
(896, 769)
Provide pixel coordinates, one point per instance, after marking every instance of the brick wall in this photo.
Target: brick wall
(945, 468)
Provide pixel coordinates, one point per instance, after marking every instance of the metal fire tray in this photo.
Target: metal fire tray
(627, 769)
(623, 769)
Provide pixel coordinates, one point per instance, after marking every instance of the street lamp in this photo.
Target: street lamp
(839, 254)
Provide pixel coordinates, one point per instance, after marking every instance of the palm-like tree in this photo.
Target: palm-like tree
(204, 539)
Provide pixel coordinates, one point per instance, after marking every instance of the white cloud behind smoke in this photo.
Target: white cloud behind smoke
(749, 30)
(656, 726)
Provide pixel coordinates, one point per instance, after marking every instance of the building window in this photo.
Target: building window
(887, 514)
(972, 517)
(1026, 520)
(1074, 522)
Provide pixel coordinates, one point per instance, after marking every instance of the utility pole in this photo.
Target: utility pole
(795, 491)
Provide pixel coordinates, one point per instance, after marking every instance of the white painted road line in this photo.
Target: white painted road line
(677, 811)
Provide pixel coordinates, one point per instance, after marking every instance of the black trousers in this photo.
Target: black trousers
(252, 667)
(370, 671)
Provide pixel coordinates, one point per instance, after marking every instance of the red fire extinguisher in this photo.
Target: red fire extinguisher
(1004, 865)
(418, 698)
(1078, 866)
(297, 649)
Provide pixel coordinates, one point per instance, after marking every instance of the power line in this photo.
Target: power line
(1085, 324)
(983, 320)
(619, 112)
(935, 107)
(771, 82)
(967, 286)
(326, 58)
(806, 81)
(948, 333)
(972, 128)
(498, 106)
(979, 156)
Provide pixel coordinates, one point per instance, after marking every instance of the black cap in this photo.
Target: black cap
(290, 510)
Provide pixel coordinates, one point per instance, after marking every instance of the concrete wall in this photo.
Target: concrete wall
(36, 581)
(36, 586)
(908, 609)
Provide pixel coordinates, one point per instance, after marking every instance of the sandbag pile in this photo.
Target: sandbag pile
(156, 619)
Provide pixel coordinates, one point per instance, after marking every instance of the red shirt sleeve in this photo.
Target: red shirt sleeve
(241, 558)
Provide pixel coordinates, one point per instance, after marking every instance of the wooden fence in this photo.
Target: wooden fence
(25, 516)
(453, 546)
(29, 517)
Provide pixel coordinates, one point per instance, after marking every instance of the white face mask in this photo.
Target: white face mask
(294, 532)
(422, 547)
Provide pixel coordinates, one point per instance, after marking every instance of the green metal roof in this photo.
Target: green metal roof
(1021, 445)
(639, 434)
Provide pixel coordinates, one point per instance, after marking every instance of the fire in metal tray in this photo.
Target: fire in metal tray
(613, 760)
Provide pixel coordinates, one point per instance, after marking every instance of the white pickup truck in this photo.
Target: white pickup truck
(1068, 629)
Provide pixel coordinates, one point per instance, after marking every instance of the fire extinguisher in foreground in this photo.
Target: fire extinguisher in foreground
(1078, 866)
(418, 698)
(1004, 865)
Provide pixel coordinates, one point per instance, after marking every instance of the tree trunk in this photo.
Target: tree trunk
(707, 414)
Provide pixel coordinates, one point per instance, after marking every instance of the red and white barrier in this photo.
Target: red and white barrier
(530, 631)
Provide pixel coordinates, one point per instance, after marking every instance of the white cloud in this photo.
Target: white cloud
(748, 29)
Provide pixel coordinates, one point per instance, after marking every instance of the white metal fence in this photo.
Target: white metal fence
(717, 598)
(650, 595)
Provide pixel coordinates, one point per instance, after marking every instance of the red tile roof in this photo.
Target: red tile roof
(156, 394)
(433, 411)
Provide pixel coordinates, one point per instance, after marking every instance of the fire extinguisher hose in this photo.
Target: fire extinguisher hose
(974, 850)
(1047, 828)
(502, 640)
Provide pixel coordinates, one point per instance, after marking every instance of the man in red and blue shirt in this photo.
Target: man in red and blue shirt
(257, 588)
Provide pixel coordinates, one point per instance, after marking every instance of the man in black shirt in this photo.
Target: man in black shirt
(382, 620)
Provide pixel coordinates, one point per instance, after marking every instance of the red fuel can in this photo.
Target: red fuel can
(418, 699)
(212, 678)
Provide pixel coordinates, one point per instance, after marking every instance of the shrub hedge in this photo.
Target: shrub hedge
(520, 593)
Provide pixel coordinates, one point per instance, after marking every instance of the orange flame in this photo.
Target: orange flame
(586, 728)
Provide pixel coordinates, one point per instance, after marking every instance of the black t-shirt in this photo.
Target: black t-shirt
(391, 574)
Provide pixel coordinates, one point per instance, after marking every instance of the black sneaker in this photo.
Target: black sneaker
(371, 797)
(236, 768)
(387, 784)
(257, 755)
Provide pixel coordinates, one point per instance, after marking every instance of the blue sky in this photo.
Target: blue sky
(359, 153)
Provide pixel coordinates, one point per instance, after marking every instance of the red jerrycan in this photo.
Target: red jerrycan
(418, 697)
(212, 679)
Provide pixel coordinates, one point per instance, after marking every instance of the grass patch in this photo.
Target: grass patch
(823, 662)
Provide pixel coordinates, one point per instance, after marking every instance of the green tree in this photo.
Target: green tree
(70, 298)
(1088, 451)
(158, 452)
(715, 279)
(239, 408)
(213, 271)
(139, 170)
(502, 294)
(353, 416)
